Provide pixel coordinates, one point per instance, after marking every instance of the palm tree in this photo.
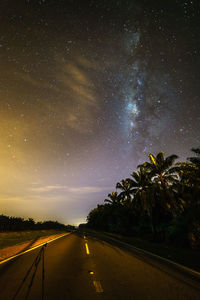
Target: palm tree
(194, 203)
(114, 199)
(159, 168)
(182, 186)
(188, 184)
(195, 174)
(141, 185)
(163, 176)
(143, 194)
(195, 160)
(126, 188)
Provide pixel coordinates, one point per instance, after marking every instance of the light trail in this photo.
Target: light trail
(87, 248)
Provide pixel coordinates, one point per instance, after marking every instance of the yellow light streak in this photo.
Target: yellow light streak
(87, 248)
(91, 273)
(153, 159)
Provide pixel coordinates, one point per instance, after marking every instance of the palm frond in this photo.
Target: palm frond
(194, 160)
(135, 176)
(160, 158)
(169, 161)
(119, 186)
(153, 159)
(196, 150)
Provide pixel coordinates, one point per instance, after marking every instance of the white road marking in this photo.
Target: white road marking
(87, 248)
(98, 286)
(21, 253)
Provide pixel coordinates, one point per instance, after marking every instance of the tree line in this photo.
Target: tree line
(160, 201)
(20, 224)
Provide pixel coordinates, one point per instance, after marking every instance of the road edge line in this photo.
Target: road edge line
(31, 249)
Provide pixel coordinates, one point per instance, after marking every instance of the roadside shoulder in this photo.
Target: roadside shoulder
(186, 274)
(10, 251)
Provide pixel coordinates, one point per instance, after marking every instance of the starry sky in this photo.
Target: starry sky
(87, 90)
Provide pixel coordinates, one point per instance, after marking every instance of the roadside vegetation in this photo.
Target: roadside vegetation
(15, 230)
(20, 224)
(160, 202)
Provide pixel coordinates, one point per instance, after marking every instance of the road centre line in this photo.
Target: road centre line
(98, 286)
(87, 248)
(96, 283)
(21, 253)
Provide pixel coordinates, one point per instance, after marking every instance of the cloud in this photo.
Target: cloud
(48, 188)
(73, 190)
(26, 77)
(85, 189)
(80, 92)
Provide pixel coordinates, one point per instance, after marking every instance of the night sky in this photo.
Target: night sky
(87, 90)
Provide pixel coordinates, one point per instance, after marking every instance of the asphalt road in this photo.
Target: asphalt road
(85, 266)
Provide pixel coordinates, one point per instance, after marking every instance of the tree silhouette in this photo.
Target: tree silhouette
(161, 198)
(126, 188)
(114, 199)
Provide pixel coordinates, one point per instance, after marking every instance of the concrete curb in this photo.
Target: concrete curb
(165, 260)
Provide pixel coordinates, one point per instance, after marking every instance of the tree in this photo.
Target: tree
(126, 188)
(143, 197)
(163, 176)
(114, 199)
(160, 195)
(195, 160)
(188, 185)
(159, 168)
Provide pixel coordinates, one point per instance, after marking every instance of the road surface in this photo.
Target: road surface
(86, 266)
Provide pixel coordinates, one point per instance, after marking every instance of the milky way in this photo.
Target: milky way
(87, 90)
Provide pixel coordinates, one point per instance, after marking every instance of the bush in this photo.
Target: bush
(177, 232)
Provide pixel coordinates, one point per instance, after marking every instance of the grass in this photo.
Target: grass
(187, 257)
(13, 238)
